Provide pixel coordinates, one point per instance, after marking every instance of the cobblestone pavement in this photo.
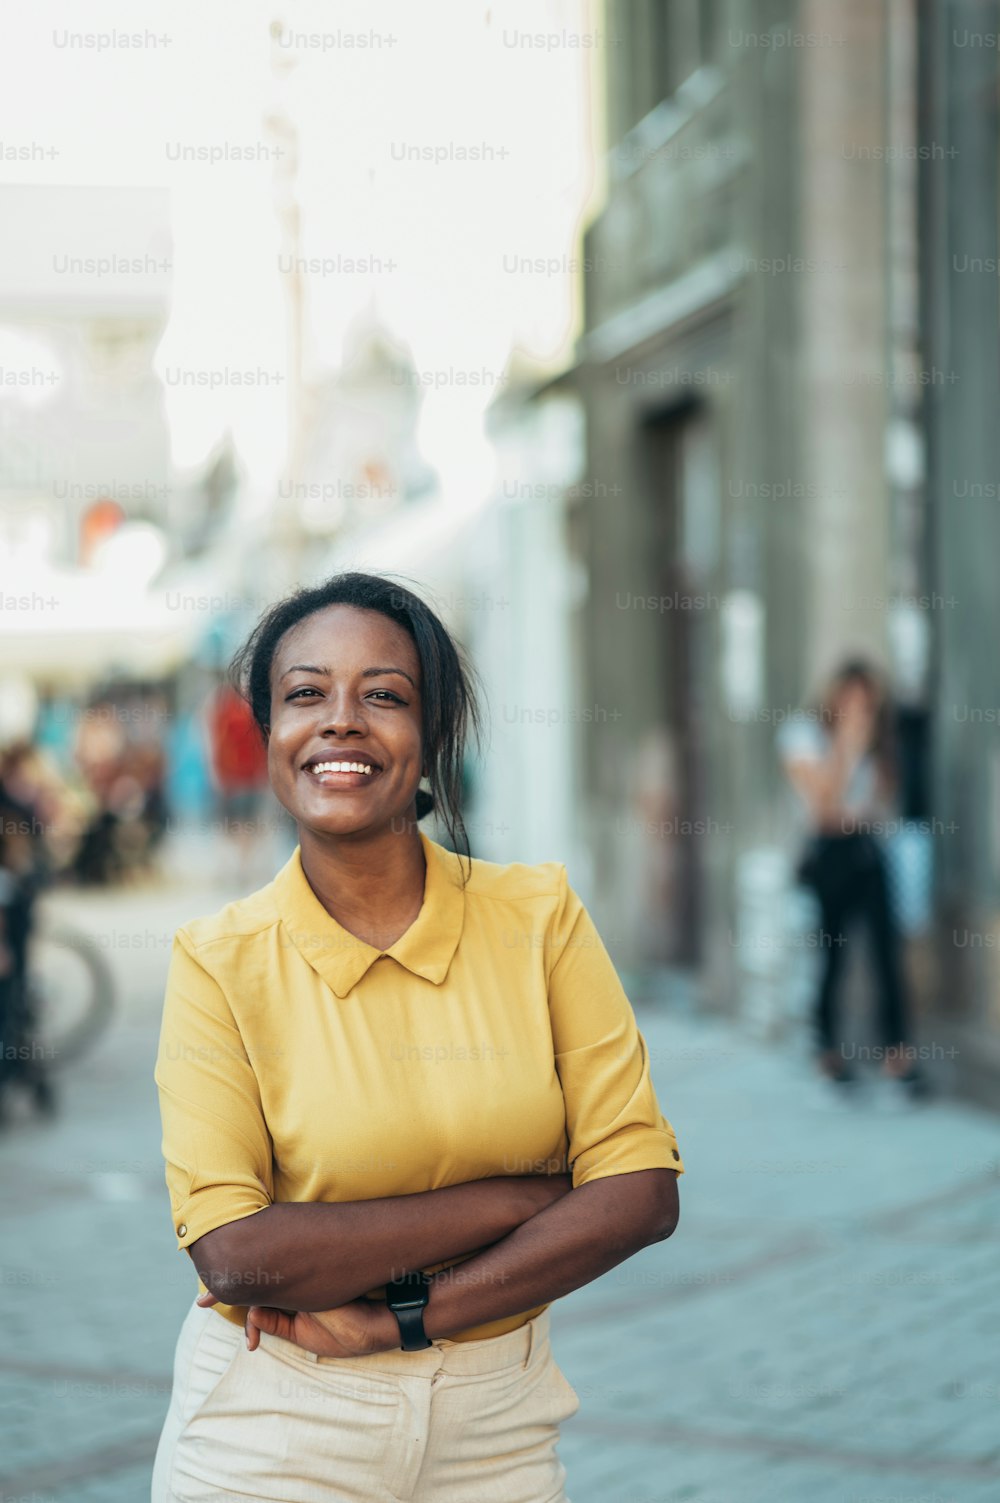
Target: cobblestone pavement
(823, 1327)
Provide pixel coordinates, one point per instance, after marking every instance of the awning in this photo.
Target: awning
(72, 628)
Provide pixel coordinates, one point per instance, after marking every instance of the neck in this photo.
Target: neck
(373, 886)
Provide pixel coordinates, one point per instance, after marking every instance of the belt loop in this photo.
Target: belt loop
(532, 1334)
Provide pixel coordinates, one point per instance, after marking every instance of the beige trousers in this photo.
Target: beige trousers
(462, 1422)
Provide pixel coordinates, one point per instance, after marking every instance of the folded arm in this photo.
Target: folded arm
(571, 1243)
(561, 1249)
(318, 1256)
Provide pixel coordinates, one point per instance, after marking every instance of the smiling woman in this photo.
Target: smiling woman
(421, 671)
(350, 727)
(375, 1087)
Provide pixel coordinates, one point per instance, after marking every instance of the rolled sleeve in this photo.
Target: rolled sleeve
(613, 1119)
(216, 1146)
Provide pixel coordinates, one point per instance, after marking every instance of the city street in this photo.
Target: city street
(822, 1328)
(617, 381)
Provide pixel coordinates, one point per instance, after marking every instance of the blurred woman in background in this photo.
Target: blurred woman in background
(839, 758)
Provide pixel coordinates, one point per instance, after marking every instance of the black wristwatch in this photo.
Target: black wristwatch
(407, 1298)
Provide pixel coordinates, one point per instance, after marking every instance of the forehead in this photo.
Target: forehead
(347, 636)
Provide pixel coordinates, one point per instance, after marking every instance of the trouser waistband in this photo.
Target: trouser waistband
(444, 1355)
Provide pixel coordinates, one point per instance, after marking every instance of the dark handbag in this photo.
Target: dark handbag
(853, 856)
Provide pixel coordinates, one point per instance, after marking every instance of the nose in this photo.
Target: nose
(342, 715)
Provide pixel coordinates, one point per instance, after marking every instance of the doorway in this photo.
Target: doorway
(683, 492)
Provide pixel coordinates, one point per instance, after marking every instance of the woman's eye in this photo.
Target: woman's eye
(384, 694)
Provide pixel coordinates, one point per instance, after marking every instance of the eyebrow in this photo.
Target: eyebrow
(367, 672)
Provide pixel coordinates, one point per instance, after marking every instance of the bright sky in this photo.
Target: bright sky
(441, 235)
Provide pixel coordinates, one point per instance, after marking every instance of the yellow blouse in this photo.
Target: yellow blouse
(298, 1063)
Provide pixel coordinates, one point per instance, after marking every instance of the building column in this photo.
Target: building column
(842, 308)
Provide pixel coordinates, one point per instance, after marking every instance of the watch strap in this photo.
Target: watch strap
(411, 1329)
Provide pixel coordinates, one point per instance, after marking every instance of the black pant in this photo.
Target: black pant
(848, 875)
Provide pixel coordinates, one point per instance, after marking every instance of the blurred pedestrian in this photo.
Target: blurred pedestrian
(29, 810)
(839, 758)
(238, 760)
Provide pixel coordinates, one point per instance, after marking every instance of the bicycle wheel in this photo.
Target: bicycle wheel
(71, 993)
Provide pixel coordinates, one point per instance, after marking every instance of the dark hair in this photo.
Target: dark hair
(448, 682)
(861, 670)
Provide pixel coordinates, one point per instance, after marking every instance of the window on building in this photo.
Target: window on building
(658, 44)
(676, 43)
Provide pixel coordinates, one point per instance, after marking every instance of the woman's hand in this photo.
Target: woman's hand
(357, 1329)
(855, 722)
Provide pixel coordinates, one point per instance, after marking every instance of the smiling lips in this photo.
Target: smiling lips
(340, 767)
(341, 773)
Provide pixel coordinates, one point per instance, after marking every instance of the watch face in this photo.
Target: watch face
(408, 1293)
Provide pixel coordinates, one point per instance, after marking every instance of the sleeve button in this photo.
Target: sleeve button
(673, 1151)
(182, 1229)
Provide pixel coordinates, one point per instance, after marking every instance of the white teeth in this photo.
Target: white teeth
(341, 767)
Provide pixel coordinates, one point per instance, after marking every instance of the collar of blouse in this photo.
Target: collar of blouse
(341, 958)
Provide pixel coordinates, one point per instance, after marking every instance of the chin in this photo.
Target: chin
(335, 824)
(347, 821)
